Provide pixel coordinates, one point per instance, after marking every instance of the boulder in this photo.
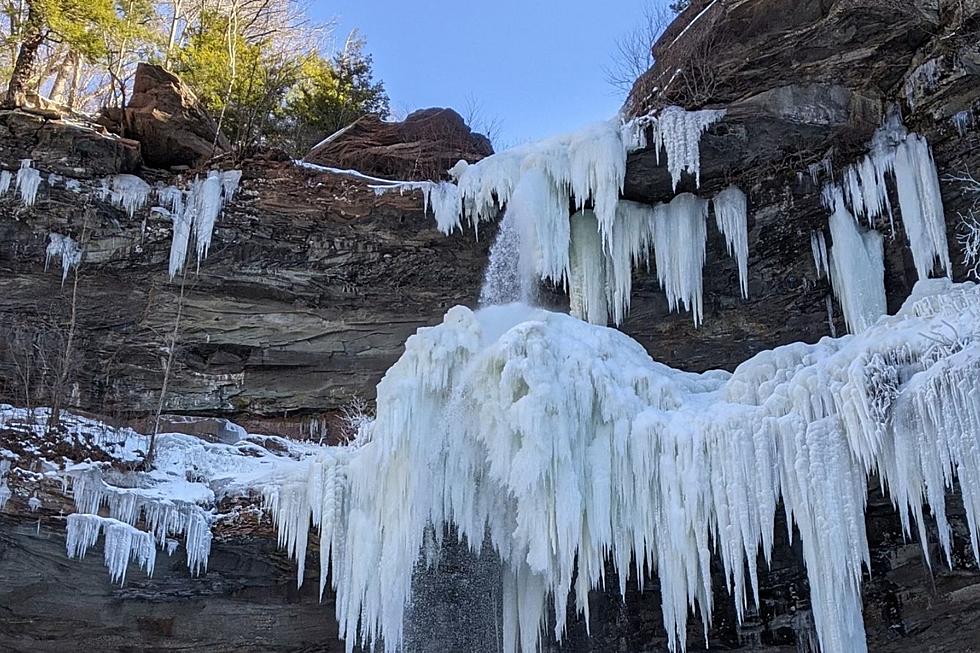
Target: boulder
(170, 123)
(423, 146)
(63, 146)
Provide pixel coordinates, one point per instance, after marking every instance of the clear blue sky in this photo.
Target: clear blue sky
(535, 66)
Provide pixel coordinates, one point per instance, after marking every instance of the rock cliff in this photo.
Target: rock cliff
(314, 282)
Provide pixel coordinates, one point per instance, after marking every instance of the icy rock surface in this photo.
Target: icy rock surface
(563, 445)
(64, 248)
(542, 185)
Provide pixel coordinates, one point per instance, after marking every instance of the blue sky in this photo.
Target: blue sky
(537, 67)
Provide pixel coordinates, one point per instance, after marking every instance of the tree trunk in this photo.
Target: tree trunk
(33, 37)
(76, 82)
(62, 77)
(172, 37)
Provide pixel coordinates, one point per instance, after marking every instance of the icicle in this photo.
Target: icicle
(821, 260)
(4, 488)
(122, 542)
(857, 266)
(962, 120)
(160, 516)
(679, 237)
(28, 181)
(679, 132)
(5, 179)
(196, 211)
(67, 249)
(908, 157)
(587, 281)
(129, 192)
(731, 215)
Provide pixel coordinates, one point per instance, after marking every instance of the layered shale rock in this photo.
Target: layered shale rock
(423, 146)
(313, 283)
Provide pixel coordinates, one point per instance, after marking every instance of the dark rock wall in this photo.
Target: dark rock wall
(313, 283)
(310, 289)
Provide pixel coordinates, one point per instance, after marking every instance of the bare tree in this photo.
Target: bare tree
(633, 54)
(968, 231)
(475, 115)
(66, 367)
(167, 367)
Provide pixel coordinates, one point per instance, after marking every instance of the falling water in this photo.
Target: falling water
(508, 277)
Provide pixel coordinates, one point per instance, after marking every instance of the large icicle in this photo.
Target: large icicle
(679, 132)
(127, 191)
(64, 248)
(821, 259)
(908, 157)
(563, 445)
(195, 211)
(679, 236)
(857, 266)
(731, 215)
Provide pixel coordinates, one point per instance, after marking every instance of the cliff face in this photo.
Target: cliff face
(311, 287)
(314, 282)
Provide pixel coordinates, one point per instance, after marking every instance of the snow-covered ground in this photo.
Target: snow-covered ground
(101, 470)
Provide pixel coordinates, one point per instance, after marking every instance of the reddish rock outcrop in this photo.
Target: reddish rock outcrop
(167, 119)
(426, 144)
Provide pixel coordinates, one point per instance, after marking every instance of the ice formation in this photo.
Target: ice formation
(126, 191)
(5, 179)
(122, 542)
(562, 444)
(65, 248)
(962, 120)
(679, 236)
(4, 488)
(154, 506)
(857, 265)
(821, 260)
(195, 211)
(542, 185)
(921, 81)
(679, 132)
(731, 215)
(908, 158)
(28, 181)
(600, 279)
